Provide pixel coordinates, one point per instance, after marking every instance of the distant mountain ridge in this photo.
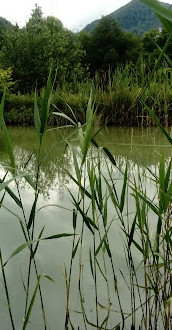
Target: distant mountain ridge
(4, 22)
(134, 17)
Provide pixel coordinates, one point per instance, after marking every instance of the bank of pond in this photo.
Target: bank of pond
(119, 100)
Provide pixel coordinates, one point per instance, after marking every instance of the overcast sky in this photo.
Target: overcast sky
(74, 14)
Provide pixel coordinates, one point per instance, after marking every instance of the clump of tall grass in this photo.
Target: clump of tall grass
(116, 95)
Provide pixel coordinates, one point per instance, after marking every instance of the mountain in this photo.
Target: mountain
(134, 17)
(4, 22)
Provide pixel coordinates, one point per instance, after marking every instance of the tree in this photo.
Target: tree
(30, 50)
(108, 46)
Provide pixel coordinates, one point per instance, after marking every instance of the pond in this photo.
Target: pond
(141, 148)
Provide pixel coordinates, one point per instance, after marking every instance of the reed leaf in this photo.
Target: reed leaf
(75, 249)
(46, 105)
(58, 236)
(4, 184)
(77, 183)
(31, 304)
(123, 191)
(159, 10)
(63, 115)
(8, 146)
(167, 177)
(6, 292)
(77, 170)
(37, 119)
(74, 219)
(154, 208)
(20, 248)
(33, 212)
(89, 129)
(29, 181)
(12, 195)
(158, 123)
(91, 263)
(109, 155)
(37, 244)
(2, 107)
(132, 231)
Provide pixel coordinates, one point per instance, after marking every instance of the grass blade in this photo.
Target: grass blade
(2, 107)
(37, 119)
(31, 304)
(46, 105)
(6, 291)
(8, 146)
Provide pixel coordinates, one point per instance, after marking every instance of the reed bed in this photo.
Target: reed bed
(116, 95)
(145, 229)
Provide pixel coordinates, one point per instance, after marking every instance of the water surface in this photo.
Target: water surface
(137, 146)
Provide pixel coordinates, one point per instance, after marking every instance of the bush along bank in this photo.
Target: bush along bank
(117, 99)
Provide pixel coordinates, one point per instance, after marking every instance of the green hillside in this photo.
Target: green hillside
(134, 17)
(4, 22)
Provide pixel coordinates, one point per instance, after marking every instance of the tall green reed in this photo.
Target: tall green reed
(150, 297)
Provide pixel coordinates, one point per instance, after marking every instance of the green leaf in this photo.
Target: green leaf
(123, 191)
(112, 195)
(132, 231)
(37, 244)
(105, 211)
(46, 105)
(91, 263)
(4, 184)
(86, 219)
(37, 119)
(32, 213)
(168, 303)
(77, 183)
(158, 123)
(29, 181)
(13, 196)
(28, 160)
(61, 114)
(2, 107)
(74, 219)
(108, 249)
(167, 177)
(89, 129)
(58, 236)
(77, 170)
(135, 243)
(8, 146)
(31, 304)
(159, 10)
(48, 278)
(109, 155)
(148, 202)
(75, 249)
(20, 248)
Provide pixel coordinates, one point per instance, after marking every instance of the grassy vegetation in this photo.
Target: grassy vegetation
(117, 98)
(151, 292)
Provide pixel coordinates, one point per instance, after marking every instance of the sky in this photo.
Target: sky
(74, 14)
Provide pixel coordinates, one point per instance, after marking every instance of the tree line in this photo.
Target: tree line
(29, 51)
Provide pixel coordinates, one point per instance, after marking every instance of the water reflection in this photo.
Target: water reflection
(137, 145)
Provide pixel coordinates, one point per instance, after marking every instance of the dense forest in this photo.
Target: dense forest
(82, 61)
(134, 17)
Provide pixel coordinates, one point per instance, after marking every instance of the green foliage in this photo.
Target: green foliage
(134, 17)
(108, 46)
(4, 22)
(6, 80)
(30, 50)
